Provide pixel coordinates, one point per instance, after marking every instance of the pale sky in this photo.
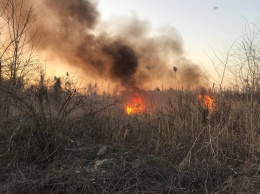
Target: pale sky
(203, 24)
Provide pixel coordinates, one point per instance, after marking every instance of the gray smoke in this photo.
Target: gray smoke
(123, 49)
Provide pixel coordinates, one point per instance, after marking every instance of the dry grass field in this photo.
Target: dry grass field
(60, 141)
(56, 138)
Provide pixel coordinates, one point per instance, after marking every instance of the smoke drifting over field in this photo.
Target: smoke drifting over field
(122, 49)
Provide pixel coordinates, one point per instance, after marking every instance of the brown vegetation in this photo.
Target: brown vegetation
(54, 139)
(55, 146)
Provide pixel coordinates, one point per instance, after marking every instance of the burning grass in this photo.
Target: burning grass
(66, 142)
(207, 101)
(135, 106)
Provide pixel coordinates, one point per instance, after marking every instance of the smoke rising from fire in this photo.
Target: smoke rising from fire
(122, 49)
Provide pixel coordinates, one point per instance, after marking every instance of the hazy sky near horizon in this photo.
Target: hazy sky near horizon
(203, 24)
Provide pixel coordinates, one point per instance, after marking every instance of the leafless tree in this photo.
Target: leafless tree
(18, 41)
(239, 65)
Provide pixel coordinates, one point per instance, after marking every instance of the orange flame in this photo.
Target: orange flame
(207, 101)
(136, 106)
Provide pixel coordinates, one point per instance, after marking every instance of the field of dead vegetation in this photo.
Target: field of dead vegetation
(59, 141)
(57, 137)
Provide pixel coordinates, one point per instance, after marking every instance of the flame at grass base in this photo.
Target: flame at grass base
(136, 106)
(207, 101)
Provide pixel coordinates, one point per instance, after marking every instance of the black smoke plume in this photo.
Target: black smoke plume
(120, 49)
